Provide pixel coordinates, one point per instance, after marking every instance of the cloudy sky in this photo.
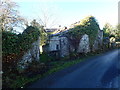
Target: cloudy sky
(66, 12)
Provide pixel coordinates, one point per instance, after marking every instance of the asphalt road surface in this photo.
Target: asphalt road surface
(97, 72)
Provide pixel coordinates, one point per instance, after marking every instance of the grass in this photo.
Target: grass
(24, 81)
(21, 81)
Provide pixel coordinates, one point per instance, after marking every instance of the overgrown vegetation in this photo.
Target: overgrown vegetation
(110, 31)
(45, 58)
(14, 47)
(40, 70)
(88, 25)
(43, 34)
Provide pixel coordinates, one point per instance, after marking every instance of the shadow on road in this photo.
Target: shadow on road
(110, 74)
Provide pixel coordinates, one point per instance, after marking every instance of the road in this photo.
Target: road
(97, 72)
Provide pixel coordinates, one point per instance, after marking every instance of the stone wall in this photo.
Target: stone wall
(100, 37)
(30, 55)
(84, 44)
(64, 46)
(98, 41)
(59, 44)
(54, 43)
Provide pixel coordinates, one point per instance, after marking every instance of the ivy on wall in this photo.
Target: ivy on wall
(14, 46)
(88, 25)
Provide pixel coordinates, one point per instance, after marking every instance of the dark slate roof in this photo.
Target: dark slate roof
(51, 29)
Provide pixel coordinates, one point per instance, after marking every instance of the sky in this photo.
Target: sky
(67, 12)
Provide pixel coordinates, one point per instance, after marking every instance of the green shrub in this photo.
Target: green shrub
(44, 57)
(9, 42)
(65, 58)
(14, 46)
(89, 26)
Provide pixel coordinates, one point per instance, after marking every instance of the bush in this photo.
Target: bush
(88, 26)
(44, 57)
(9, 42)
(14, 46)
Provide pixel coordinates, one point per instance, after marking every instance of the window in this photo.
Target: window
(57, 47)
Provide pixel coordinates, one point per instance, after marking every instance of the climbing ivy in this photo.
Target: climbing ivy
(14, 46)
(88, 25)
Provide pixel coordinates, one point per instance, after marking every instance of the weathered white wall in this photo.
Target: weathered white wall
(54, 41)
(63, 45)
(84, 44)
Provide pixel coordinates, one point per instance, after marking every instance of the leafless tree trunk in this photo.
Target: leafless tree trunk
(9, 16)
(48, 18)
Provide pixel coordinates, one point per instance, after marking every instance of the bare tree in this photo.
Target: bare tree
(9, 16)
(48, 18)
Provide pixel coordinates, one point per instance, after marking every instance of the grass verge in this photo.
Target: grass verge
(24, 81)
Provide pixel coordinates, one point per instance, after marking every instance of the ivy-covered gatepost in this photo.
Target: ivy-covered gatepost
(31, 40)
(98, 41)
